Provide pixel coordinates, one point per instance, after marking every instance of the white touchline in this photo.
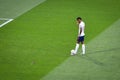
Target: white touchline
(7, 21)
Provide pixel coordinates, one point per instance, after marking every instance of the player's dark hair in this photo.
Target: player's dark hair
(79, 18)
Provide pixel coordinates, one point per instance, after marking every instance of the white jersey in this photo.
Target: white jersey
(81, 26)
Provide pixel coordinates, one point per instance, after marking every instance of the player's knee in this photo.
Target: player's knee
(78, 42)
(82, 42)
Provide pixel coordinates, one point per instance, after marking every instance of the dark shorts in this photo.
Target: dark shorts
(80, 39)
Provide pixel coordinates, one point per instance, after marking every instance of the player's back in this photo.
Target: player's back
(82, 26)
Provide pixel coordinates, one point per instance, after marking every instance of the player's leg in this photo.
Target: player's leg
(77, 45)
(83, 45)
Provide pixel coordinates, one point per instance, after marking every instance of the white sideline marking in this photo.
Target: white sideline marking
(7, 21)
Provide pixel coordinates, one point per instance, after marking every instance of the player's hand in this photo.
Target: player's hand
(77, 37)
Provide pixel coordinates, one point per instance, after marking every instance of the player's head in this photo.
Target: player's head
(79, 19)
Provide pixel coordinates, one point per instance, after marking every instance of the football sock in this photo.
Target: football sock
(76, 48)
(83, 48)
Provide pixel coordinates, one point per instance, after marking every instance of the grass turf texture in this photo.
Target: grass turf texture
(41, 39)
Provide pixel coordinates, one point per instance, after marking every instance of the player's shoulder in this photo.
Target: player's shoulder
(82, 23)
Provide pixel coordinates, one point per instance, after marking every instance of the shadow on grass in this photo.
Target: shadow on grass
(102, 51)
(95, 61)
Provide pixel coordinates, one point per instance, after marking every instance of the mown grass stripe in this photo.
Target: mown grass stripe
(13, 9)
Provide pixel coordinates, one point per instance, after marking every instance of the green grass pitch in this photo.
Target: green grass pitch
(38, 41)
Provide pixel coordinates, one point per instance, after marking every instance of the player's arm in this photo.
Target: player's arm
(80, 31)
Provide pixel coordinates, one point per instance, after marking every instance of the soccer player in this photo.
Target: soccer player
(81, 34)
